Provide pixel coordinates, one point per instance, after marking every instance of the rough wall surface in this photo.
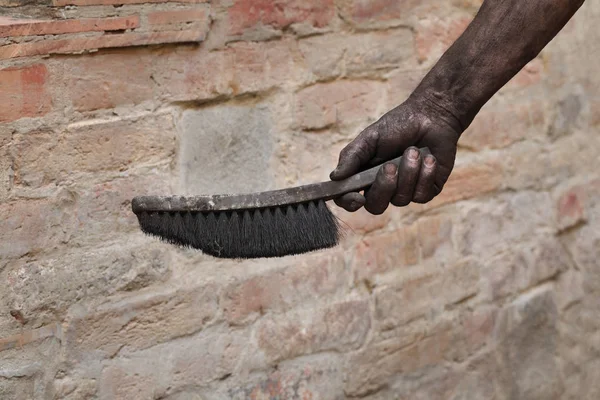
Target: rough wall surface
(492, 291)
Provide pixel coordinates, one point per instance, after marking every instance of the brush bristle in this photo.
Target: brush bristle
(244, 234)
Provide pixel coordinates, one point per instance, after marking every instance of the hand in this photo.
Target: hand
(414, 125)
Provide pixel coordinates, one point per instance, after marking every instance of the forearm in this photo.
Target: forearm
(503, 37)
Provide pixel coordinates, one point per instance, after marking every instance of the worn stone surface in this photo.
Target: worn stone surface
(241, 138)
(488, 292)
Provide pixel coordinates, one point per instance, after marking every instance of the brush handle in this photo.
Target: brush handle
(276, 198)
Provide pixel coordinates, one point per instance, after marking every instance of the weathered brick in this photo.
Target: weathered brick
(108, 80)
(435, 238)
(527, 336)
(595, 112)
(520, 269)
(362, 221)
(6, 171)
(142, 321)
(417, 296)
(500, 125)
(46, 157)
(106, 206)
(301, 282)
(177, 16)
(467, 182)
(571, 207)
(23, 92)
(584, 246)
(385, 252)
(28, 227)
(356, 55)
(428, 238)
(252, 14)
(241, 137)
(341, 326)
(36, 288)
(17, 388)
(244, 67)
(317, 378)
(367, 13)
(34, 335)
(400, 84)
(82, 44)
(569, 289)
(434, 35)
(496, 226)
(170, 367)
(375, 366)
(531, 75)
(25, 27)
(341, 102)
(60, 3)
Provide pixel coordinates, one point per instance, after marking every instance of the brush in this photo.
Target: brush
(257, 225)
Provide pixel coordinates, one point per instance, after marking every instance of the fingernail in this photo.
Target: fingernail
(413, 154)
(390, 169)
(429, 161)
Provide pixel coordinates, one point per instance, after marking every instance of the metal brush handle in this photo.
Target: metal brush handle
(300, 194)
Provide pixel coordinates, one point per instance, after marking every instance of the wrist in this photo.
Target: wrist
(438, 106)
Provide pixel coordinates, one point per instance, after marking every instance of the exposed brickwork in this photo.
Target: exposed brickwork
(487, 292)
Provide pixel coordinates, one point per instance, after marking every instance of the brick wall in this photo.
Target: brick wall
(489, 292)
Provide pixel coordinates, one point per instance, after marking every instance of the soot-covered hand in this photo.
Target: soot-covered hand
(424, 133)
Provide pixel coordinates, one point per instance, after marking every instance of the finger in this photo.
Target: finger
(351, 202)
(408, 175)
(381, 192)
(356, 154)
(425, 189)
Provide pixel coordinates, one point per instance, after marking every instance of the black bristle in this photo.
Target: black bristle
(244, 234)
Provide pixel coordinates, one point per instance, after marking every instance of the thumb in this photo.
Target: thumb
(356, 155)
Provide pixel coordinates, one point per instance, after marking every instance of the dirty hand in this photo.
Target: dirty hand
(425, 134)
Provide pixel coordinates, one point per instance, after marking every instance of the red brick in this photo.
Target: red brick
(342, 326)
(15, 27)
(435, 36)
(60, 3)
(280, 290)
(315, 379)
(247, 14)
(23, 92)
(176, 16)
(571, 207)
(373, 11)
(343, 102)
(45, 157)
(102, 81)
(80, 44)
(498, 126)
